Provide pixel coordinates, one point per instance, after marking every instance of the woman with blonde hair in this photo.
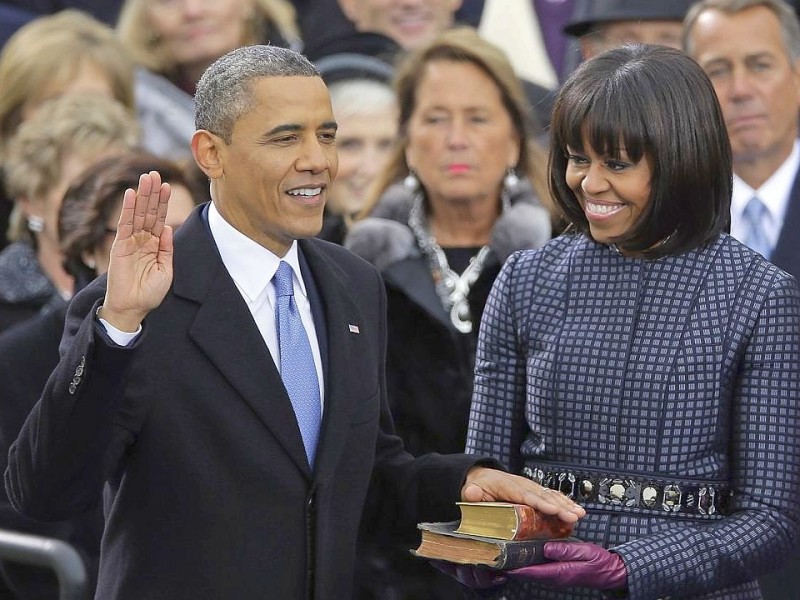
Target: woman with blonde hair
(365, 109)
(61, 53)
(65, 136)
(472, 193)
(174, 41)
(68, 52)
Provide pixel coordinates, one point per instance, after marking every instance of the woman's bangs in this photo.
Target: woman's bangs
(609, 127)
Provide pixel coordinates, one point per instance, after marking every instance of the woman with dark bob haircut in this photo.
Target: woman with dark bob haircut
(645, 363)
(652, 104)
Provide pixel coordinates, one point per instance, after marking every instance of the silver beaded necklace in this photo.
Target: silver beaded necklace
(451, 287)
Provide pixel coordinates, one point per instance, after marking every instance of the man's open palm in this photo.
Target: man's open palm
(140, 267)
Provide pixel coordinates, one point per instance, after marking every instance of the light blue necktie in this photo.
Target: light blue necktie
(297, 363)
(753, 217)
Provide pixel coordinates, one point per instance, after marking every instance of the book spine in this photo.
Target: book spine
(528, 522)
(532, 524)
(516, 555)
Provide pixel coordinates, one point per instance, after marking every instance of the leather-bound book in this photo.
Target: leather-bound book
(507, 521)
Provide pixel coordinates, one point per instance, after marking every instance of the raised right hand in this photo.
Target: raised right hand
(140, 267)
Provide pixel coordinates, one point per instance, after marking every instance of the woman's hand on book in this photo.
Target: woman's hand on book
(577, 564)
(491, 485)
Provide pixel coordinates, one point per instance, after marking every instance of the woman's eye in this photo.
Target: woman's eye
(617, 165)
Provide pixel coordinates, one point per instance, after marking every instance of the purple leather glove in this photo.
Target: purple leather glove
(471, 576)
(577, 564)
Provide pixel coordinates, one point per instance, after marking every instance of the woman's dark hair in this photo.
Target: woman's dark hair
(96, 195)
(655, 103)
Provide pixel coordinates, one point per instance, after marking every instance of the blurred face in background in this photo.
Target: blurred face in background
(194, 33)
(757, 82)
(410, 23)
(461, 140)
(367, 116)
(181, 204)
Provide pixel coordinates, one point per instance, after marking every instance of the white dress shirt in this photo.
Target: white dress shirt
(774, 193)
(251, 266)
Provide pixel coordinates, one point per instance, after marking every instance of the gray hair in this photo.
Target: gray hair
(786, 15)
(225, 93)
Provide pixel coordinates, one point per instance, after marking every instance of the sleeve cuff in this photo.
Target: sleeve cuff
(119, 337)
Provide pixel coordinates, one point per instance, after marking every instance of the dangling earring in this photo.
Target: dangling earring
(35, 223)
(511, 180)
(411, 183)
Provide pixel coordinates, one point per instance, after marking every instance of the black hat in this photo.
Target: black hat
(357, 42)
(350, 65)
(591, 12)
(355, 54)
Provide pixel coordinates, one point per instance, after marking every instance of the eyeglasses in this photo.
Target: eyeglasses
(110, 231)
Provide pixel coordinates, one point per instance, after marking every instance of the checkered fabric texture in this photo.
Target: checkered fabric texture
(686, 367)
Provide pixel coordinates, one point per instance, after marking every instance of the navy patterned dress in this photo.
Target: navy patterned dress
(679, 371)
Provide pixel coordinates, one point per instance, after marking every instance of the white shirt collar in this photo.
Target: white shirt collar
(249, 264)
(774, 192)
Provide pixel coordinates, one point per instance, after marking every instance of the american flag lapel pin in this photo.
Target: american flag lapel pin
(353, 328)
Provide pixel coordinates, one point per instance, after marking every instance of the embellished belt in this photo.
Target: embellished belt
(634, 491)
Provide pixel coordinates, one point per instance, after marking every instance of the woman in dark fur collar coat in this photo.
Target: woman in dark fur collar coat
(472, 180)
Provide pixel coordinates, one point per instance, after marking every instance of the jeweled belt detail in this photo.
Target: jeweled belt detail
(624, 491)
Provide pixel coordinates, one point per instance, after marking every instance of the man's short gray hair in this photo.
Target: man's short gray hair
(786, 15)
(225, 92)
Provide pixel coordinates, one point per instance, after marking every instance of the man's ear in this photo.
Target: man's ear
(207, 149)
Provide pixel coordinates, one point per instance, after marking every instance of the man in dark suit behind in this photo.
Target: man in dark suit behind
(169, 388)
(751, 51)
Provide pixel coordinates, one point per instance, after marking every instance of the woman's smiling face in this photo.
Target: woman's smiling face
(613, 192)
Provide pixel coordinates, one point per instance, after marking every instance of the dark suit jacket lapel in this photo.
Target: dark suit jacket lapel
(339, 313)
(787, 251)
(225, 332)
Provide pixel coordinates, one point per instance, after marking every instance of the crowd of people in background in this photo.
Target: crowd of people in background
(469, 133)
